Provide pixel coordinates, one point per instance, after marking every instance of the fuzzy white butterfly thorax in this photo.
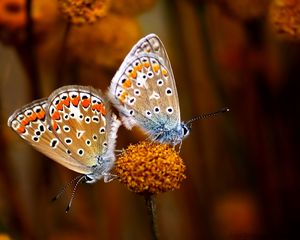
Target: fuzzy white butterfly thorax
(144, 91)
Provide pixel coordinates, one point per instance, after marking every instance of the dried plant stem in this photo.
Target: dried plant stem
(28, 54)
(151, 210)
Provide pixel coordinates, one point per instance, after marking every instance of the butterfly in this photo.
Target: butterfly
(74, 127)
(144, 92)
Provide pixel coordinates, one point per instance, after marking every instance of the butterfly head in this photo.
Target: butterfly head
(185, 129)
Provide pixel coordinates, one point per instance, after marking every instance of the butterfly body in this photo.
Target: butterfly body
(144, 92)
(74, 127)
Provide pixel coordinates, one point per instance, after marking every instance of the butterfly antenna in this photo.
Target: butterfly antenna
(73, 192)
(206, 115)
(63, 190)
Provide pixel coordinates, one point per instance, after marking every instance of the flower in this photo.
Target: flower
(285, 18)
(150, 168)
(110, 39)
(84, 11)
(12, 14)
(13, 20)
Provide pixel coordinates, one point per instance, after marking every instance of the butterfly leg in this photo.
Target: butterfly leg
(108, 177)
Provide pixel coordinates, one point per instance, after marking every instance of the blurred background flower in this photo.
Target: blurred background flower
(242, 176)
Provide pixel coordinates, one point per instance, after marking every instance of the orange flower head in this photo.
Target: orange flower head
(84, 11)
(150, 168)
(285, 18)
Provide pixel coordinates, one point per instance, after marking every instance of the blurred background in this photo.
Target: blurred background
(242, 177)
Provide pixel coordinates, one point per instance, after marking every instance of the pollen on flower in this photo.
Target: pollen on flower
(84, 11)
(149, 167)
(285, 18)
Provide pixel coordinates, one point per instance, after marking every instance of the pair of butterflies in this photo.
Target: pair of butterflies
(75, 127)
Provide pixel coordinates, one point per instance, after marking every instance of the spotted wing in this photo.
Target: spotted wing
(144, 89)
(30, 124)
(79, 117)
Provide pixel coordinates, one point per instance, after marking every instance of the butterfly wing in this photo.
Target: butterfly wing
(30, 124)
(144, 89)
(81, 119)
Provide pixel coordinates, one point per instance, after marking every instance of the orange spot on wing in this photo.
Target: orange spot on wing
(123, 96)
(155, 68)
(21, 129)
(66, 102)
(40, 115)
(54, 125)
(165, 72)
(100, 108)
(127, 84)
(133, 74)
(75, 101)
(146, 64)
(59, 106)
(138, 67)
(32, 117)
(55, 116)
(86, 102)
(25, 121)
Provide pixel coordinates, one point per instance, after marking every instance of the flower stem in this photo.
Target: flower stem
(62, 57)
(151, 210)
(28, 53)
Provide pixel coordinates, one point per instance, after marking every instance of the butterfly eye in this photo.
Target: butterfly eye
(168, 91)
